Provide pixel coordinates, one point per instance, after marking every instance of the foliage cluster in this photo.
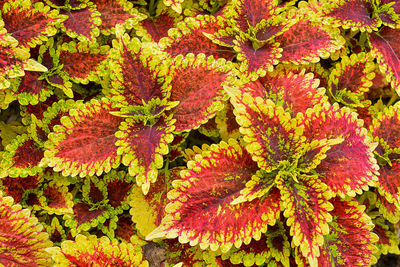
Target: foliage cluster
(221, 133)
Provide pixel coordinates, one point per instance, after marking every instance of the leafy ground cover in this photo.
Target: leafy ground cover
(199, 132)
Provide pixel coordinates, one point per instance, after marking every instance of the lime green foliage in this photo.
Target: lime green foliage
(199, 132)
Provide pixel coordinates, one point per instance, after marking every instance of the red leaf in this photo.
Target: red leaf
(199, 100)
(350, 241)
(85, 143)
(386, 47)
(200, 211)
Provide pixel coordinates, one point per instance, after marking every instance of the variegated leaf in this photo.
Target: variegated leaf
(85, 142)
(22, 239)
(350, 80)
(136, 78)
(307, 212)
(350, 240)
(116, 12)
(202, 99)
(30, 24)
(142, 148)
(300, 48)
(385, 46)
(205, 191)
(349, 166)
(188, 37)
(21, 158)
(90, 250)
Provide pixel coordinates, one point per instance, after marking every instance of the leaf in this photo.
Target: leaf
(294, 92)
(352, 158)
(299, 48)
(388, 241)
(199, 210)
(350, 240)
(30, 89)
(351, 79)
(148, 210)
(307, 210)
(116, 12)
(200, 100)
(136, 77)
(153, 29)
(255, 62)
(85, 142)
(354, 14)
(388, 210)
(21, 158)
(385, 127)
(19, 187)
(55, 199)
(270, 132)
(90, 250)
(188, 37)
(82, 23)
(249, 14)
(273, 246)
(82, 62)
(142, 148)
(28, 23)
(23, 241)
(385, 47)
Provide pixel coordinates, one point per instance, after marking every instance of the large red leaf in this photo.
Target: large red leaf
(386, 47)
(85, 142)
(22, 239)
(300, 48)
(30, 24)
(349, 167)
(307, 209)
(199, 210)
(136, 77)
(199, 88)
(142, 148)
(350, 240)
(102, 252)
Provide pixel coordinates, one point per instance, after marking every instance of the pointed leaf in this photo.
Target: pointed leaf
(90, 250)
(82, 62)
(299, 48)
(22, 239)
(142, 148)
(350, 240)
(202, 99)
(153, 29)
(30, 23)
(85, 142)
(200, 211)
(386, 48)
(349, 167)
(136, 77)
(307, 210)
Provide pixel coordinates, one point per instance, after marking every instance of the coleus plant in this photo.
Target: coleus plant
(199, 133)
